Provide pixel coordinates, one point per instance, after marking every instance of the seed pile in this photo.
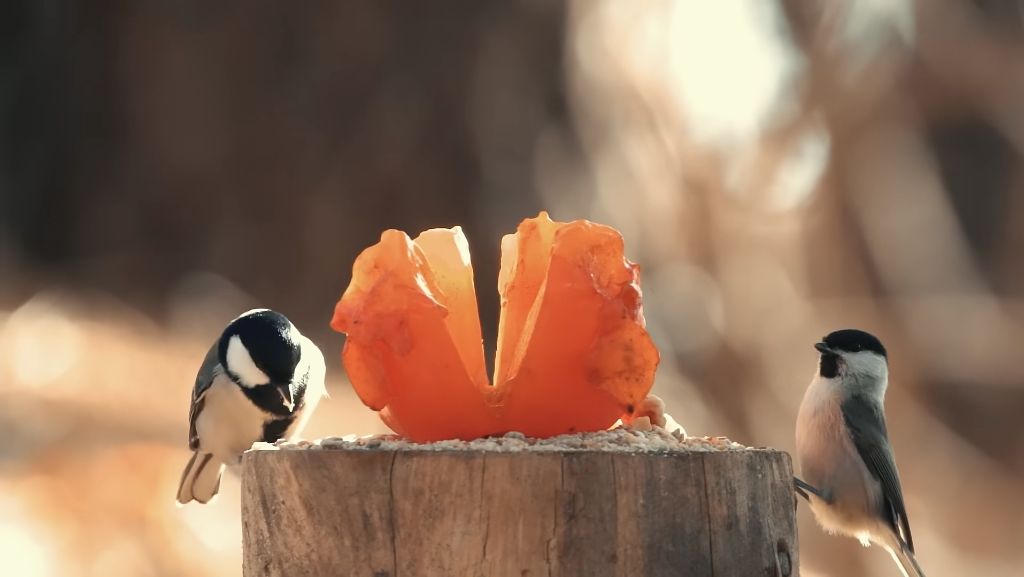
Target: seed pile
(622, 439)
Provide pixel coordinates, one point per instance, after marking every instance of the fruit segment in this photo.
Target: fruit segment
(572, 354)
(447, 254)
(401, 354)
(525, 256)
(583, 356)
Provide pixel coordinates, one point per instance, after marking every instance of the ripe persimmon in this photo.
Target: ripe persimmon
(573, 353)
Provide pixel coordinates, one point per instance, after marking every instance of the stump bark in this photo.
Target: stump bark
(378, 513)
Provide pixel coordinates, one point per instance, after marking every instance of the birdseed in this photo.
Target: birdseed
(621, 439)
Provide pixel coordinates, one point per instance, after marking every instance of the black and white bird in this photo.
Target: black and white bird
(846, 461)
(261, 381)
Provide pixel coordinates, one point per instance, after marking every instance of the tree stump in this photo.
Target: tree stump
(472, 513)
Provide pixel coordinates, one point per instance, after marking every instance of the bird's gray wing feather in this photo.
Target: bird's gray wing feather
(207, 372)
(866, 423)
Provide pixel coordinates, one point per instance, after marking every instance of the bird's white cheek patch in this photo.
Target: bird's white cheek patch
(240, 362)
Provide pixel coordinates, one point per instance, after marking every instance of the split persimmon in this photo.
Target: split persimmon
(573, 353)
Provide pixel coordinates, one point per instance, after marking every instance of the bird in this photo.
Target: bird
(848, 467)
(260, 381)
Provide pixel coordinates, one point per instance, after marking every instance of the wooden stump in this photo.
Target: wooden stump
(411, 513)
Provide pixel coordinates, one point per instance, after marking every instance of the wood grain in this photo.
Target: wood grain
(378, 513)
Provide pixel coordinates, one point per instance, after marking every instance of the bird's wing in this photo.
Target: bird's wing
(207, 372)
(866, 423)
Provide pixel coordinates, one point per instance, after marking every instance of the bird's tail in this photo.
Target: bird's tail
(200, 480)
(904, 557)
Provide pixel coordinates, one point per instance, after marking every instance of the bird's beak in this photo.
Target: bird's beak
(823, 348)
(286, 395)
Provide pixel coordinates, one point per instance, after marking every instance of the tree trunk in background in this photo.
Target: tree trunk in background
(149, 139)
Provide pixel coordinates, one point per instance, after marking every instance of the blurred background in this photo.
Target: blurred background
(779, 168)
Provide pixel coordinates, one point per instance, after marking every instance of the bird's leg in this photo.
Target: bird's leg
(803, 488)
(802, 493)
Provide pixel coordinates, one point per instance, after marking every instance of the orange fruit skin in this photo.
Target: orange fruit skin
(400, 355)
(573, 353)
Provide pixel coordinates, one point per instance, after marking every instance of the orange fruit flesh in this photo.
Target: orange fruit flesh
(525, 256)
(572, 355)
(400, 354)
(583, 358)
(447, 253)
